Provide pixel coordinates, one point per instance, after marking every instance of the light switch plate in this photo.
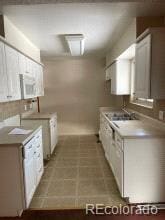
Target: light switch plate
(161, 115)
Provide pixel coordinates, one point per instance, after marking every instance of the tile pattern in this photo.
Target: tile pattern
(77, 173)
(9, 109)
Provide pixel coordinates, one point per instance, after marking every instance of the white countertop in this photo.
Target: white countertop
(16, 140)
(40, 116)
(136, 128)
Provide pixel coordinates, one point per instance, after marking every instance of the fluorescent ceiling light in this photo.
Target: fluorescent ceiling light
(75, 43)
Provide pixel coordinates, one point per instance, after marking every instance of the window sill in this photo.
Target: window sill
(142, 105)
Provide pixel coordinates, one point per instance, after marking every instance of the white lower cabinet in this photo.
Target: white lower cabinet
(138, 165)
(21, 168)
(50, 132)
(53, 134)
(29, 171)
(33, 165)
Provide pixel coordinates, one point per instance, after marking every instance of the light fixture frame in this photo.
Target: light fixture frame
(75, 43)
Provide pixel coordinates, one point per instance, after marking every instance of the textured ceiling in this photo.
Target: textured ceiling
(101, 24)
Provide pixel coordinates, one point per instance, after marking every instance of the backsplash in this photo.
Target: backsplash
(9, 109)
(159, 105)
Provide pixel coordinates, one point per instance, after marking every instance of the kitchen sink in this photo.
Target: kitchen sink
(121, 116)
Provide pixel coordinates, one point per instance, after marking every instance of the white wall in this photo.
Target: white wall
(75, 89)
(127, 38)
(14, 36)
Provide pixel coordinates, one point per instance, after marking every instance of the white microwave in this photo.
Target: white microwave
(28, 86)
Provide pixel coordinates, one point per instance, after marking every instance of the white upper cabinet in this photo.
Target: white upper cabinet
(39, 80)
(26, 65)
(29, 67)
(12, 64)
(107, 74)
(150, 64)
(3, 76)
(12, 70)
(142, 68)
(22, 63)
(120, 77)
(41, 76)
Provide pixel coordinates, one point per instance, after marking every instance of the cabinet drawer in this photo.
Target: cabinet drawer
(39, 161)
(29, 149)
(38, 147)
(38, 136)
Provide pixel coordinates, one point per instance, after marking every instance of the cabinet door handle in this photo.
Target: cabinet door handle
(39, 155)
(9, 96)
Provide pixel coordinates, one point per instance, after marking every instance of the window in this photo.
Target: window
(138, 101)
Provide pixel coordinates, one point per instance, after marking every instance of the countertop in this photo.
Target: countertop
(40, 116)
(16, 140)
(136, 128)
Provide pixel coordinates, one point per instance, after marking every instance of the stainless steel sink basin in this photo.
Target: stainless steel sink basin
(121, 116)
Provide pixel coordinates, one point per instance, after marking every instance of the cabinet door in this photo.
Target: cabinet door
(29, 67)
(12, 65)
(39, 167)
(53, 134)
(39, 80)
(22, 63)
(30, 179)
(113, 78)
(142, 68)
(3, 76)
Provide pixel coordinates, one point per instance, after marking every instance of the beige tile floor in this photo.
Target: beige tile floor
(77, 173)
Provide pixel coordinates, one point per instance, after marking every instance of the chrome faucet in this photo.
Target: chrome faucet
(132, 115)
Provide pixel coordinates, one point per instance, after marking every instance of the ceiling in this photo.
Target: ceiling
(100, 23)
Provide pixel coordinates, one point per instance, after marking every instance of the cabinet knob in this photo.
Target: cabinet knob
(30, 146)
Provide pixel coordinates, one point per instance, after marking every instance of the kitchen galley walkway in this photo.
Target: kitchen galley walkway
(77, 173)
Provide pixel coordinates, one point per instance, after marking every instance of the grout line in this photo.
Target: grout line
(77, 179)
(49, 182)
(106, 186)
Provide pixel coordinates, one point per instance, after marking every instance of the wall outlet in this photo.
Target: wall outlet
(161, 115)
